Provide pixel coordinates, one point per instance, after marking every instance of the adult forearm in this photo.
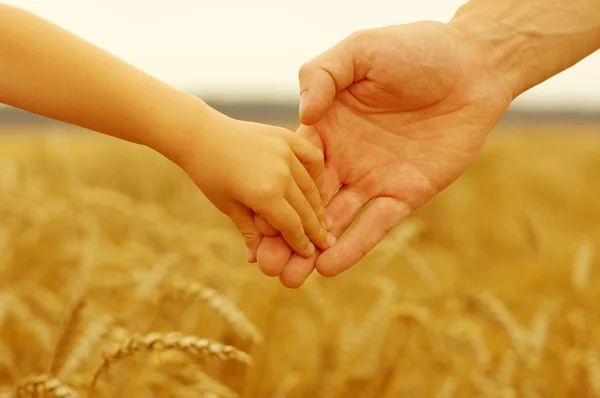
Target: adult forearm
(526, 42)
(50, 72)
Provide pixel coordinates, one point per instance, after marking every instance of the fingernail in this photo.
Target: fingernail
(328, 221)
(331, 240)
(324, 224)
(320, 180)
(311, 249)
(300, 107)
(249, 255)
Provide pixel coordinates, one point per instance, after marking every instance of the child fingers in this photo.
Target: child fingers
(263, 226)
(311, 157)
(310, 190)
(243, 218)
(282, 216)
(311, 223)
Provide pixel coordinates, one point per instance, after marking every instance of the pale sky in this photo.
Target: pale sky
(253, 49)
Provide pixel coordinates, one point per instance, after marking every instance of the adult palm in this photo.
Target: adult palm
(400, 113)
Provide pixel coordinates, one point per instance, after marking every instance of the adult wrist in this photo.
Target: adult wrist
(499, 50)
(525, 42)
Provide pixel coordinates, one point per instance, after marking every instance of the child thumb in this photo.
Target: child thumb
(243, 218)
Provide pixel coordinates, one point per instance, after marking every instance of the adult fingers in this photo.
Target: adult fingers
(344, 208)
(297, 270)
(283, 217)
(372, 226)
(313, 227)
(322, 78)
(330, 182)
(273, 255)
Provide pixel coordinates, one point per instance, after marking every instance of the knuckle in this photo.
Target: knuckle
(250, 236)
(281, 146)
(289, 155)
(304, 70)
(282, 179)
(297, 233)
(314, 228)
(310, 189)
(265, 191)
(359, 34)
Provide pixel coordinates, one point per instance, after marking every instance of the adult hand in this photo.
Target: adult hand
(400, 112)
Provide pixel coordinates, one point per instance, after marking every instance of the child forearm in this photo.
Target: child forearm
(529, 41)
(51, 72)
(241, 167)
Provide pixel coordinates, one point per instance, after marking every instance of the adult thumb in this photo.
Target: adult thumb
(243, 218)
(322, 78)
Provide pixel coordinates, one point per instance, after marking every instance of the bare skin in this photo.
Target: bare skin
(243, 168)
(402, 111)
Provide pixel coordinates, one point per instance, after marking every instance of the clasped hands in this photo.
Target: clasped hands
(396, 122)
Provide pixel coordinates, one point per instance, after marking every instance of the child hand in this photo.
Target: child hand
(245, 167)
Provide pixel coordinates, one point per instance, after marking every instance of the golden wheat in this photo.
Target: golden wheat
(477, 294)
(43, 386)
(220, 304)
(194, 346)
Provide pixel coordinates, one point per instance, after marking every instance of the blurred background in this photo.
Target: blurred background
(489, 290)
(243, 57)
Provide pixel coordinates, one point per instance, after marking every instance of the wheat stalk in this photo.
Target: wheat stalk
(147, 287)
(29, 321)
(592, 363)
(396, 242)
(582, 265)
(468, 331)
(43, 385)
(374, 329)
(170, 367)
(200, 348)
(83, 344)
(448, 388)
(287, 385)
(413, 311)
(8, 175)
(423, 269)
(5, 301)
(220, 304)
(51, 305)
(515, 332)
(529, 390)
(8, 362)
(485, 385)
(508, 392)
(206, 383)
(369, 336)
(507, 368)
(149, 284)
(539, 334)
(69, 330)
(5, 247)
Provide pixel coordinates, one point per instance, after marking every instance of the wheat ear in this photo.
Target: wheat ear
(220, 304)
(171, 341)
(43, 385)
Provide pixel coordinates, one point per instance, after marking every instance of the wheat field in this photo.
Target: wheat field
(118, 279)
